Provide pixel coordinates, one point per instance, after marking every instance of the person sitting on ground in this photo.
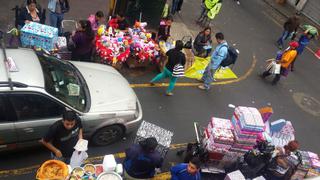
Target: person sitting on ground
(184, 171)
(164, 29)
(83, 42)
(63, 135)
(29, 14)
(142, 159)
(96, 20)
(203, 40)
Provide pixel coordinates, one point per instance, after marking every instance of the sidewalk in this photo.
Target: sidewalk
(286, 10)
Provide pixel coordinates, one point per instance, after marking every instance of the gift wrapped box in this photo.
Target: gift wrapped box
(224, 136)
(249, 118)
(235, 175)
(220, 123)
(39, 35)
(277, 125)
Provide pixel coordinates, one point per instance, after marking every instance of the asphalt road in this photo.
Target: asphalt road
(253, 28)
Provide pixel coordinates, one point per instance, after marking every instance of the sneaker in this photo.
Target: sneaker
(238, 2)
(169, 94)
(202, 87)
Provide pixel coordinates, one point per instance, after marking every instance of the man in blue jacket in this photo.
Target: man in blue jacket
(184, 171)
(219, 54)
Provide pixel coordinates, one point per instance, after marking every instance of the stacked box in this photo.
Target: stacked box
(39, 35)
(282, 132)
(249, 126)
(219, 135)
(163, 136)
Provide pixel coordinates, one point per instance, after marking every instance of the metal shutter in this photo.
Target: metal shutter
(312, 10)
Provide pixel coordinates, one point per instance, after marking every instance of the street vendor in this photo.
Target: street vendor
(183, 171)
(202, 43)
(164, 29)
(96, 20)
(285, 163)
(142, 159)
(83, 42)
(29, 14)
(122, 22)
(63, 135)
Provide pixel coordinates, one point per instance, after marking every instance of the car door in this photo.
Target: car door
(8, 134)
(35, 113)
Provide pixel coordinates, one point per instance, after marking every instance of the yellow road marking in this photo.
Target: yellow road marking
(121, 155)
(253, 64)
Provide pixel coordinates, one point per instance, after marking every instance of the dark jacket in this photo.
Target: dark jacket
(140, 164)
(175, 57)
(164, 32)
(83, 44)
(201, 40)
(291, 24)
(25, 15)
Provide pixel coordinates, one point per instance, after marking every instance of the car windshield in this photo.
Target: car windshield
(64, 81)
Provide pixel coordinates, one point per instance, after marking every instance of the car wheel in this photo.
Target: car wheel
(107, 135)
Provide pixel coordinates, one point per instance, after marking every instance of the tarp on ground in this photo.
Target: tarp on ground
(197, 69)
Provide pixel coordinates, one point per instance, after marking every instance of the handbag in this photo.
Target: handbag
(178, 71)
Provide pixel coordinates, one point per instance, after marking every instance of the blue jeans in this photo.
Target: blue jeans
(208, 75)
(166, 73)
(283, 37)
(56, 20)
(174, 7)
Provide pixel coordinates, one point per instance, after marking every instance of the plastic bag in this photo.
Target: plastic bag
(78, 158)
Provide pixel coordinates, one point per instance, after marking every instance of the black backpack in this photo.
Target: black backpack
(231, 57)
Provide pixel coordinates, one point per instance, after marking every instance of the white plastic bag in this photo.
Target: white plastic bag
(275, 68)
(78, 158)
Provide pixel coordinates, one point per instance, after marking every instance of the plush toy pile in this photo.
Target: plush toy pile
(142, 44)
(116, 46)
(112, 45)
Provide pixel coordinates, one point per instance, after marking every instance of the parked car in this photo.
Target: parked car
(38, 87)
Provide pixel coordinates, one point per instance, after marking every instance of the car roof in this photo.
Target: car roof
(29, 68)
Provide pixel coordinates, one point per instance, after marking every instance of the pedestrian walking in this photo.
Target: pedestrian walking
(176, 6)
(96, 20)
(57, 9)
(303, 41)
(202, 43)
(290, 28)
(63, 135)
(210, 8)
(219, 54)
(179, 6)
(176, 59)
(142, 159)
(286, 59)
(184, 171)
(29, 13)
(83, 42)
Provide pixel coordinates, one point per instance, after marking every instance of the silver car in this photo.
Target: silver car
(36, 88)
